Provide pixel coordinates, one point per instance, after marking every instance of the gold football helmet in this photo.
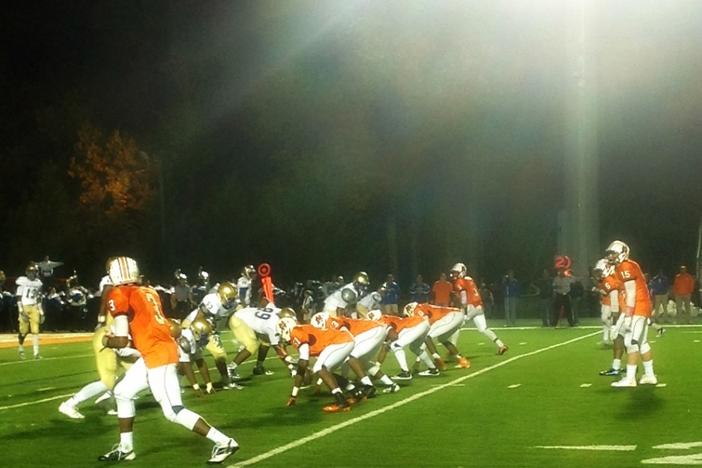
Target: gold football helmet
(248, 271)
(200, 327)
(287, 312)
(175, 327)
(361, 278)
(227, 293)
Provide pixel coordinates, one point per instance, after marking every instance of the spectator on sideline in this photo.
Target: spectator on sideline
(391, 297)
(441, 291)
(544, 285)
(510, 292)
(562, 284)
(181, 303)
(683, 286)
(660, 287)
(419, 291)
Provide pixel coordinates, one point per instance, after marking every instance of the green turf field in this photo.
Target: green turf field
(544, 392)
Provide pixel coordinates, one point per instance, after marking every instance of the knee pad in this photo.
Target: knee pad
(645, 348)
(633, 347)
(185, 417)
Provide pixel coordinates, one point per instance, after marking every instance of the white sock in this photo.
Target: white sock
(427, 360)
(648, 368)
(126, 441)
(401, 359)
(631, 371)
(35, 344)
(386, 380)
(605, 333)
(217, 437)
(87, 392)
(20, 348)
(366, 381)
(616, 364)
(499, 343)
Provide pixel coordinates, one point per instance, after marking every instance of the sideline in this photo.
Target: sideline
(416, 396)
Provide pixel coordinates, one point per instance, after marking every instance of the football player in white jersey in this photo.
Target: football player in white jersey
(191, 341)
(31, 315)
(371, 301)
(107, 360)
(346, 296)
(217, 307)
(256, 329)
(243, 284)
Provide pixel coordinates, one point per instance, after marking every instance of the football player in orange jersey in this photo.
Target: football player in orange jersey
(636, 310)
(331, 347)
(368, 336)
(472, 304)
(404, 331)
(610, 290)
(137, 312)
(443, 323)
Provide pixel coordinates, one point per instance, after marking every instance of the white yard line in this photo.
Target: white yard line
(35, 402)
(30, 360)
(411, 398)
(615, 448)
(678, 446)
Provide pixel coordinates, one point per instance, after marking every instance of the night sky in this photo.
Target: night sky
(328, 137)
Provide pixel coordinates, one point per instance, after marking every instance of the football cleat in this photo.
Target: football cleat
(21, 354)
(232, 386)
(403, 375)
(502, 350)
(648, 380)
(336, 408)
(430, 373)
(611, 372)
(660, 332)
(37, 356)
(368, 391)
(260, 370)
(394, 388)
(234, 373)
(440, 364)
(463, 363)
(624, 383)
(221, 451)
(70, 411)
(116, 454)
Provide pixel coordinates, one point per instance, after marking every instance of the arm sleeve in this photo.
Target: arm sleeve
(121, 325)
(630, 287)
(614, 300)
(304, 351)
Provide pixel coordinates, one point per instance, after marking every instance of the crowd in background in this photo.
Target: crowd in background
(554, 299)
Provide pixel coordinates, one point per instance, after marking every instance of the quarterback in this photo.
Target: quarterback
(636, 311)
(137, 311)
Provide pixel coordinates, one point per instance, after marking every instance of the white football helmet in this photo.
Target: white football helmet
(408, 310)
(319, 320)
(374, 315)
(602, 268)
(123, 270)
(459, 270)
(617, 252)
(285, 326)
